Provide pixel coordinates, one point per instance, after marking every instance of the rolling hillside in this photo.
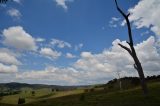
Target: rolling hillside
(131, 97)
(99, 95)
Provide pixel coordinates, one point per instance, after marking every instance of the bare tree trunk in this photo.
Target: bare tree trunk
(119, 81)
(132, 52)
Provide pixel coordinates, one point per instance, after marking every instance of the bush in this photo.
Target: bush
(43, 101)
(105, 89)
(33, 93)
(21, 101)
(86, 90)
(57, 90)
(92, 90)
(1, 98)
(110, 86)
(82, 97)
(53, 90)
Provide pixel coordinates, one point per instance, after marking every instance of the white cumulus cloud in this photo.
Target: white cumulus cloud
(99, 68)
(5, 69)
(146, 14)
(17, 1)
(113, 23)
(79, 46)
(69, 55)
(60, 43)
(40, 39)
(62, 3)
(49, 53)
(15, 13)
(18, 38)
(8, 58)
(58, 76)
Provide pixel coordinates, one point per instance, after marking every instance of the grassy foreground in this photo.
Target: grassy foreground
(132, 97)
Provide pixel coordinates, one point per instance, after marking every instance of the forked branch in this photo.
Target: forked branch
(126, 48)
(128, 23)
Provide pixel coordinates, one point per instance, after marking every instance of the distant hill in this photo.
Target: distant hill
(17, 86)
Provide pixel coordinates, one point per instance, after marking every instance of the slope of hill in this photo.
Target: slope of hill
(99, 95)
(127, 82)
(132, 97)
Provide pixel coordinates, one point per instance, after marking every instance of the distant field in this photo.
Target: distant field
(40, 94)
(100, 97)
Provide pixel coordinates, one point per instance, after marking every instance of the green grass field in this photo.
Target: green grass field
(39, 95)
(99, 97)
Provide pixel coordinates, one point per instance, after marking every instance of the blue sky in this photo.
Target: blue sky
(61, 37)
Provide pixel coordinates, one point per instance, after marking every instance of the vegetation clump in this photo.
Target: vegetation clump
(33, 93)
(82, 97)
(21, 101)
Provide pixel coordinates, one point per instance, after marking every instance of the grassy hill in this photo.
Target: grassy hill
(39, 94)
(96, 97)
(131, 97)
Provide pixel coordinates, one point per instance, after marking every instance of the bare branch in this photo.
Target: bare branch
(127, 21)
(126, 48)
(135, 66)
(124, 15)
(128, 14)
(128, 43)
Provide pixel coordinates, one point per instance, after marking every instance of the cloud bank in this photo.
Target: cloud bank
(99, 68)
(146, 14)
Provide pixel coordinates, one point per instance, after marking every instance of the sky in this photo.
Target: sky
(75, 42)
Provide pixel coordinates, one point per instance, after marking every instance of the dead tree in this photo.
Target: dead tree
(137, 65)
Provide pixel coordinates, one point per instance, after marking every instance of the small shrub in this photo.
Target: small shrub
(110, 86)
(53, 90)
(104, 88)
(82, 97)
(1, 98)
(43, 101)
(33, 93)
(92, 90)
(57, 90)
(86, 90)
(21, 101)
